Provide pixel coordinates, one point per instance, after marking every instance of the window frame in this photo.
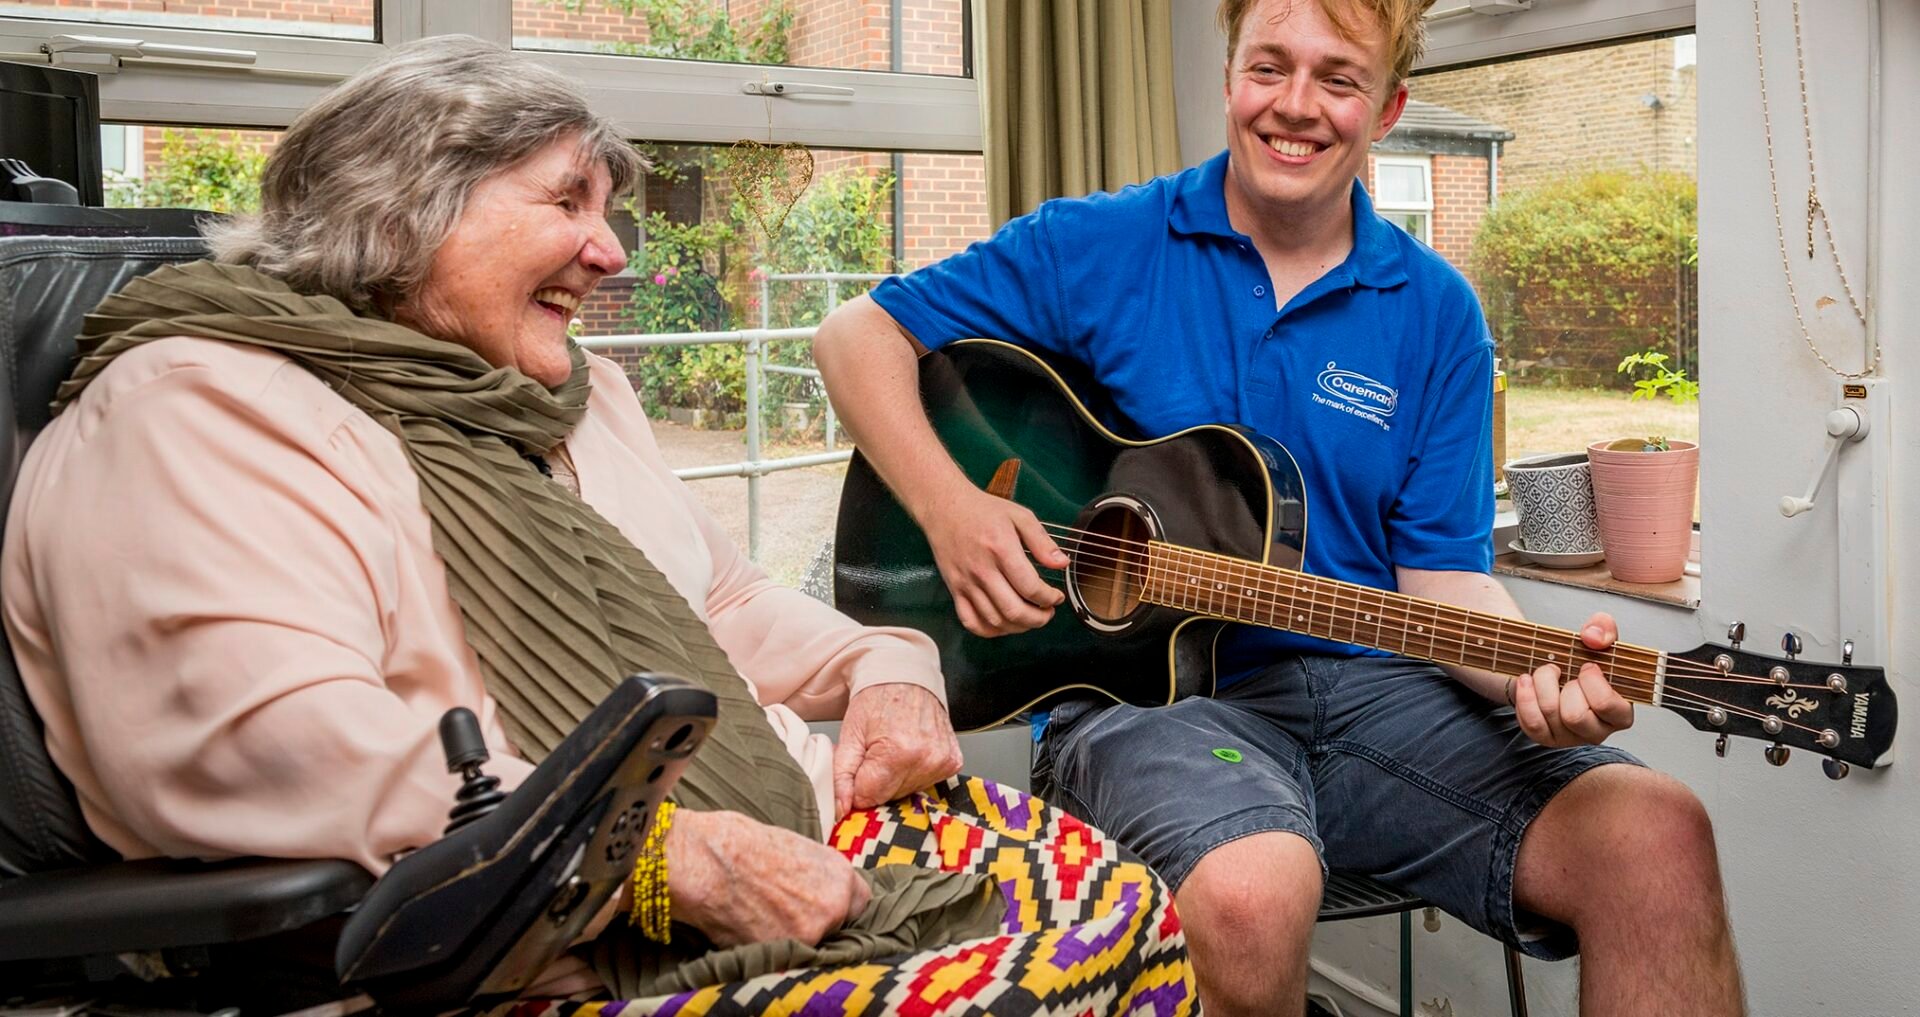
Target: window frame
(1456, 36)
(1425, 209)
(1458, 40)
(649, 98)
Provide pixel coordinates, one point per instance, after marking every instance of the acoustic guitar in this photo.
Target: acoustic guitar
(1173, 539)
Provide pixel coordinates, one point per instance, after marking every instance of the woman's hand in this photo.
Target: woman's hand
(895, 738)
(742, 881)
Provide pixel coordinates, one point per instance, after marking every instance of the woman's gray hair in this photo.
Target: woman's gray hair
(367, 183)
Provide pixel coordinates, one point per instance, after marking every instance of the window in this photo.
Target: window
(708, 259)
(1403, 193)
(930, 38)
(880, 89)
(157, 166)
(1566, 196)
(328, 19)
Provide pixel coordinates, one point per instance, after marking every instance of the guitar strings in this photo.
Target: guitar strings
(1678, 666)
(1126, 547)
(1128, 556)
(1680, 700)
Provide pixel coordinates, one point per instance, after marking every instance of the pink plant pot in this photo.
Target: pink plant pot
(1645, 505)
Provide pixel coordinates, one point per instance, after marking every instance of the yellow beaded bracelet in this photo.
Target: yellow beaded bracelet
(652, 908)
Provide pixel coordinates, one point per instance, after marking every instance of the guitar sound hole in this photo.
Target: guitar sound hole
(1110, 563)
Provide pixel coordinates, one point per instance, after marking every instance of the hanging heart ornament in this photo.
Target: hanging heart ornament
(769, 180)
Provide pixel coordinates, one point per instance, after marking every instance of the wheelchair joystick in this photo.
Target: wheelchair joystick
(465, 748)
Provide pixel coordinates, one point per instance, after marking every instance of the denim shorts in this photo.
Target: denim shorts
(1387, 766)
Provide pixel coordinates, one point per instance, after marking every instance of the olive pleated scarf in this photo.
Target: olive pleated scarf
(559, 606)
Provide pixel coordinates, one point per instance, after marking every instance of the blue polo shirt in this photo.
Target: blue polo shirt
(1377, 376)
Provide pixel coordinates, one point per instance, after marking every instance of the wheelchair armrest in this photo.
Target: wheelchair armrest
(474, 917)
(164, 903)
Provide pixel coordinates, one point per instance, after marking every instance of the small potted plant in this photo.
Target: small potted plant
(1643, 487)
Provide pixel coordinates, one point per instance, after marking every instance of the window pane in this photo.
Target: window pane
(706, 263)
(841, 34)
(1584, 251)
(329, 19)
(1401, 184)
(187, 167)
(712, 250)
(1413, 222)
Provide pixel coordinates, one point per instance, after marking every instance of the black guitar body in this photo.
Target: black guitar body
(1222, 489)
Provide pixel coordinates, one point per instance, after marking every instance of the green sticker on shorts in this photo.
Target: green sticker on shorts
(1228, 755)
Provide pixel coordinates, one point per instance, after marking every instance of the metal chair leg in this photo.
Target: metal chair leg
(1516, 985)
(1406, 963)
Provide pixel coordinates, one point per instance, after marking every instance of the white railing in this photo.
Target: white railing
(755, 341)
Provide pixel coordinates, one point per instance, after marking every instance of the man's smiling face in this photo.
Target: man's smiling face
(1304, 104)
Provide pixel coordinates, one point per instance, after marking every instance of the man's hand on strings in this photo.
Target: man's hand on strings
(1584, 711)
(981, 543)
(894, 739)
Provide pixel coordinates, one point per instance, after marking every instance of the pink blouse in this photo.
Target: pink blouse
(222, 593)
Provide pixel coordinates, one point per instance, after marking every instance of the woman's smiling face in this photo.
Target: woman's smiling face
(529, 246)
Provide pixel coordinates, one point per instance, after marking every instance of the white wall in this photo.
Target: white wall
(1821, 875)
(1200, 61)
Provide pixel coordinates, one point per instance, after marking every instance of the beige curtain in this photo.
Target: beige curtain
(1078, 98)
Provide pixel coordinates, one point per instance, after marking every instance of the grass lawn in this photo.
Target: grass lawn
(1541, 420)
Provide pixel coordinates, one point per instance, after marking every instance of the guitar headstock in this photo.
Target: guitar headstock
(1843, 712)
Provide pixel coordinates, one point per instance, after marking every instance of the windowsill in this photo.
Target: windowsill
(1682, 592)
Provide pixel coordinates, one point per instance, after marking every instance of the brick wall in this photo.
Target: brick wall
(932, 36)
(1579, 110)
(594, 23)
(946, 206)
(153, 137)
(1459, 201)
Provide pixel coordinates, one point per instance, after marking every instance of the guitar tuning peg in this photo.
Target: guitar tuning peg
(1720, 746)
(1736, 632)
(1777, 754)
(1790, 645)
(1846, 652)
(1836, 770)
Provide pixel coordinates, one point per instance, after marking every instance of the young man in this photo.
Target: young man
(1221, 294)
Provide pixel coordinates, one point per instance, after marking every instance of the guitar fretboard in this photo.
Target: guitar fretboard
(1274, 597)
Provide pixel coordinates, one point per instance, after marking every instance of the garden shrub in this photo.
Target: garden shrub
(838, 225)
(211, 170)
(1585, 269)
(698, 30)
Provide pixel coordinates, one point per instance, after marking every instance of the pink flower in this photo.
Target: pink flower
(673, 270)
(659, 280)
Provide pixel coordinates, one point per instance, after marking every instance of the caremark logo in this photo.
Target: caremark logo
(1358, 395)
(1359, 390)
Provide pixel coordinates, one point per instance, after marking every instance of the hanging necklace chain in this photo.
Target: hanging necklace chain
(1814, 208)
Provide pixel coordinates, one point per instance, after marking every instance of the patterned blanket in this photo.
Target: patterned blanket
(1090, 931)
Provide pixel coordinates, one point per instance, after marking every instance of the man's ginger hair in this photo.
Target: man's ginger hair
(1399, 20)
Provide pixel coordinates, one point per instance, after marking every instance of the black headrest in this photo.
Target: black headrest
(47, 284)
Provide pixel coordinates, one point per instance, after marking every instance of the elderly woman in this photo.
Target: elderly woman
(301, 499)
